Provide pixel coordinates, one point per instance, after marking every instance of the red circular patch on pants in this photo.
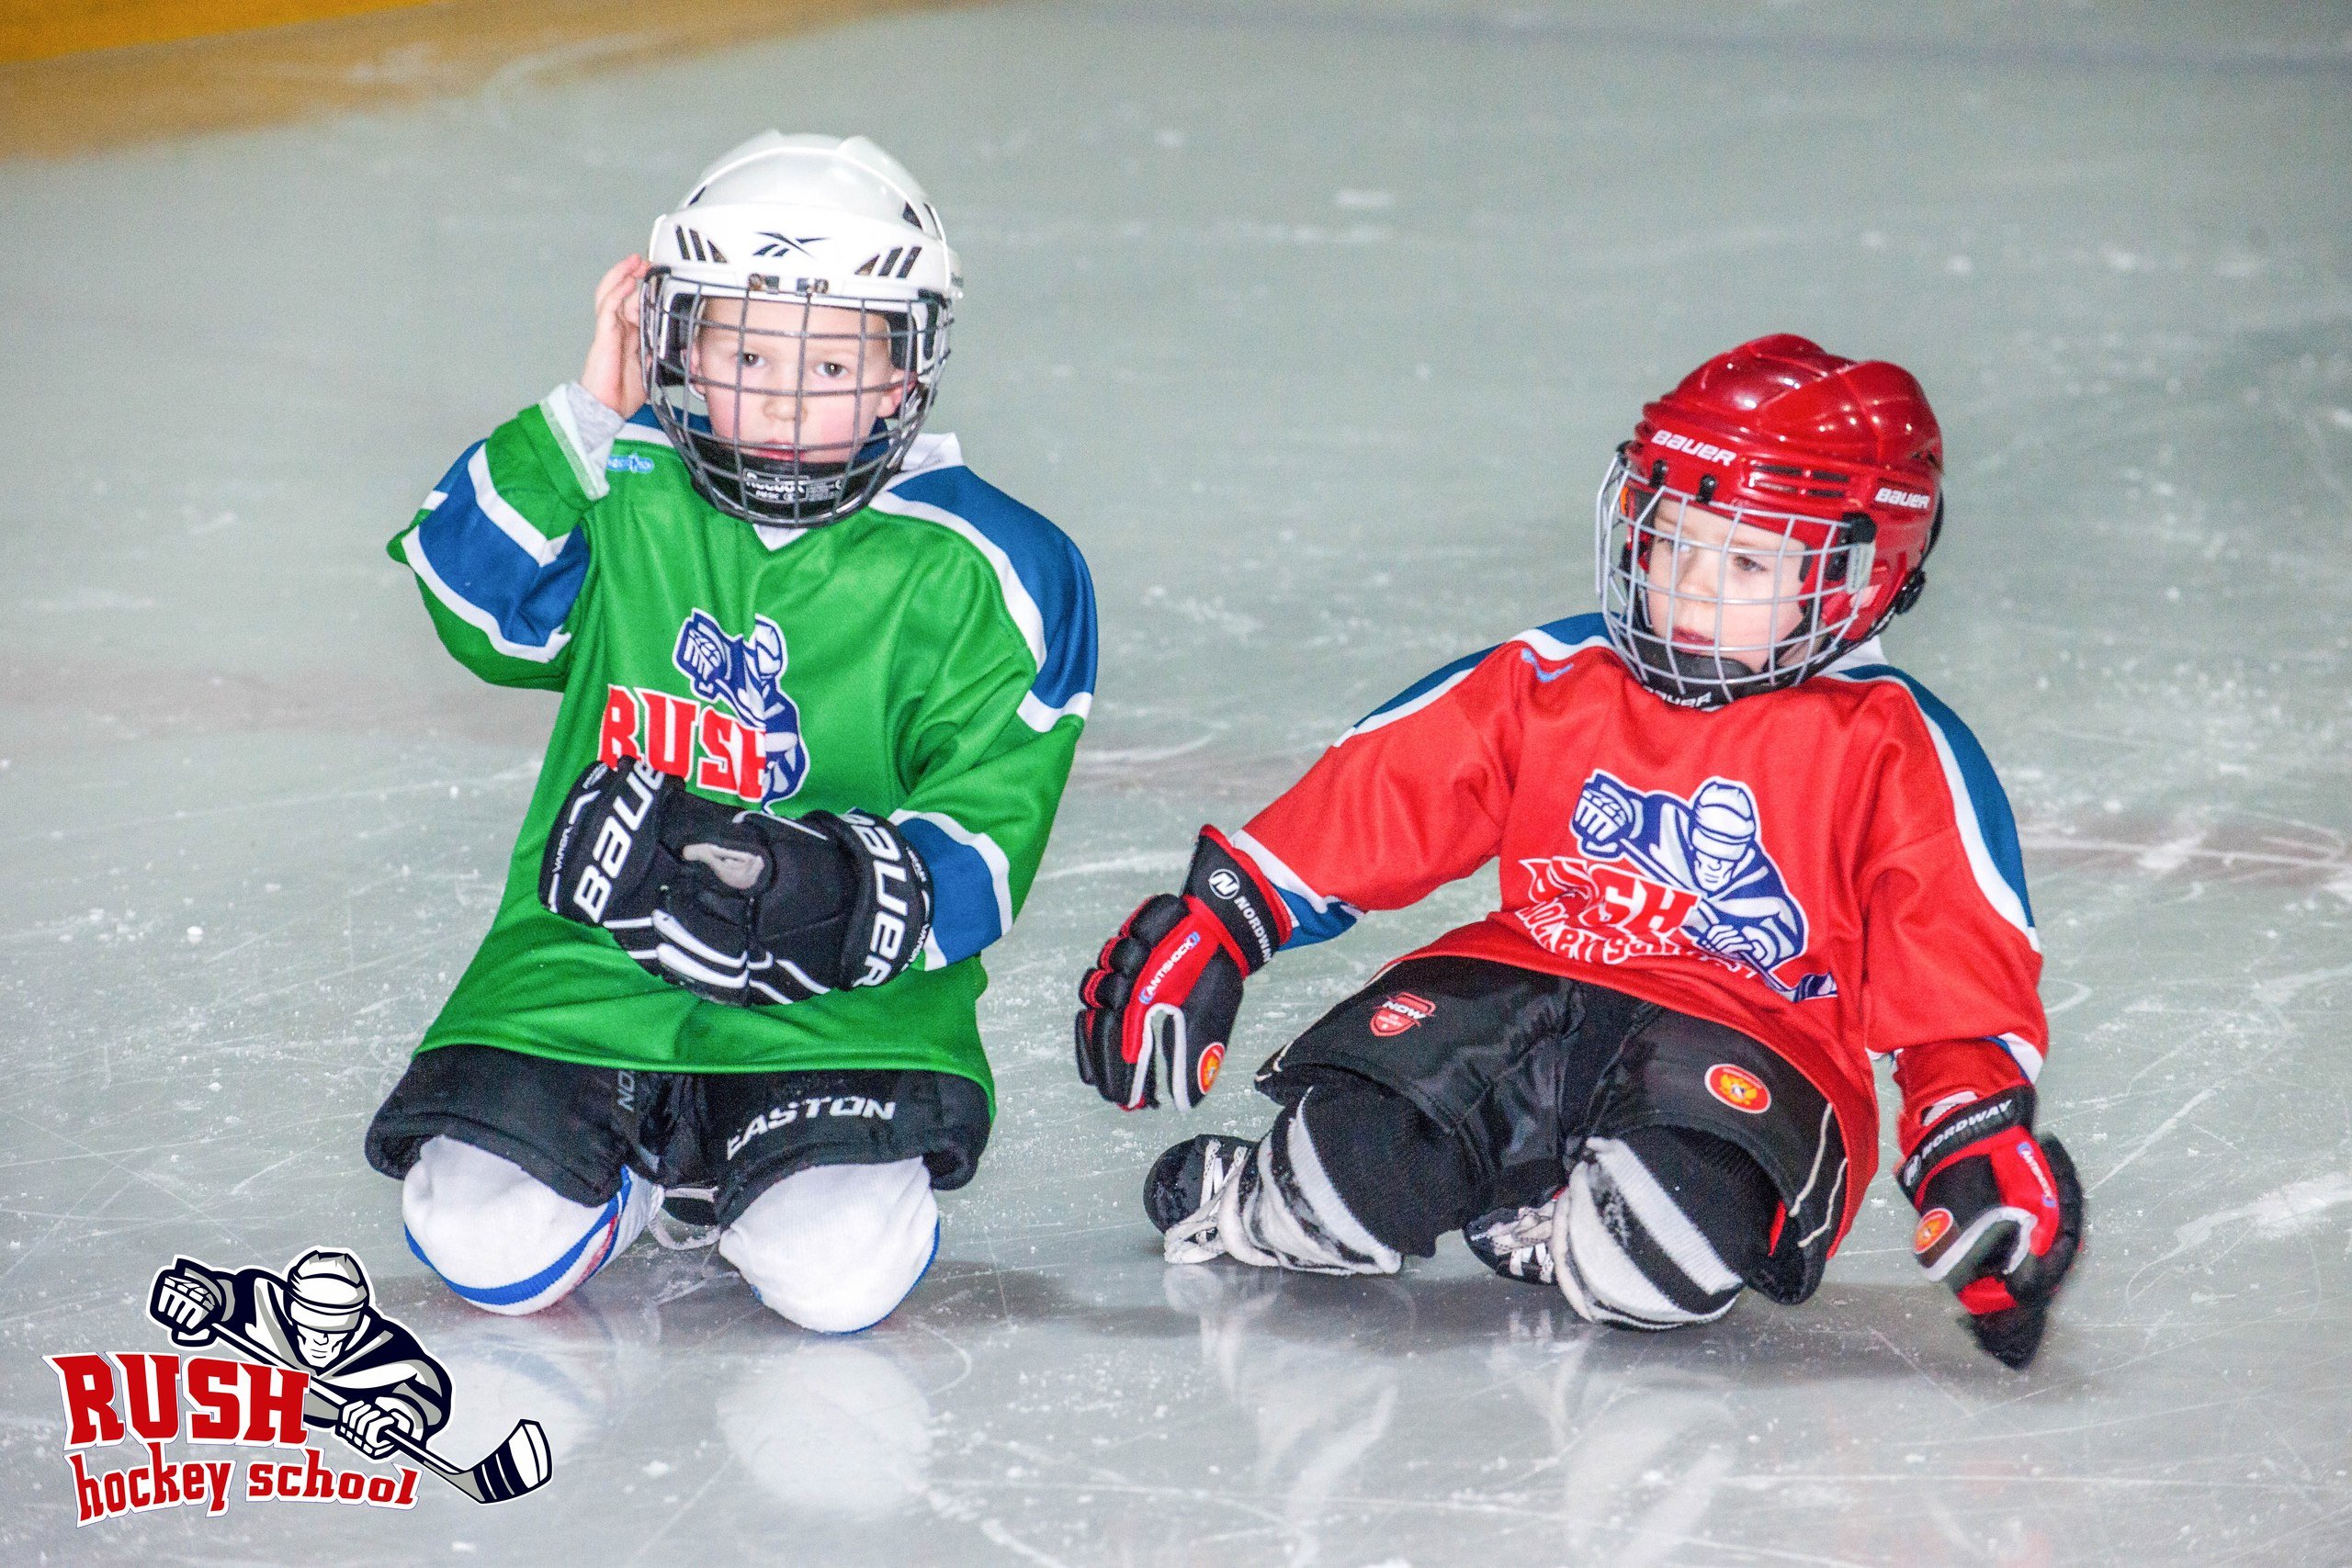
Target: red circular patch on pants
(1934, 1226)
(1738, 1088)
(1205, 1070)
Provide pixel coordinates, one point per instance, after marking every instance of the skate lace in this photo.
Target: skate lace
(1194, 1238)
(1521, 1245)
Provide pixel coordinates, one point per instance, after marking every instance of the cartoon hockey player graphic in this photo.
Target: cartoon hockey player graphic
(747, 673)
(368, 1375)
(1710, 845)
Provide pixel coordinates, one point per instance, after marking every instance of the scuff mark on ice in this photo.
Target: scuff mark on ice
(2298, 1206)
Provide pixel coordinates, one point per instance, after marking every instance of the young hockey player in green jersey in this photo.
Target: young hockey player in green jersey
(821, 686)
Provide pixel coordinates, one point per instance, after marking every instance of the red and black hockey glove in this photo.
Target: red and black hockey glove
(2000, 1218)
(1164, 992)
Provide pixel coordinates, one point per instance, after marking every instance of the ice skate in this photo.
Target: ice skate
(1516, 1243)
(1184, 1194)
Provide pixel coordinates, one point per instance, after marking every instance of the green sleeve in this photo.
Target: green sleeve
(500, 552)
(990, 765)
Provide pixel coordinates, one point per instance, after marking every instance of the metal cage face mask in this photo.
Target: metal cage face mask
(791, 410)
(1705, 615)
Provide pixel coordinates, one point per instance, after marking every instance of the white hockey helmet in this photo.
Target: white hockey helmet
(776, 230)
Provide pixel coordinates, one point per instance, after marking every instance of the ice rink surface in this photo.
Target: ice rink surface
(1314, 325)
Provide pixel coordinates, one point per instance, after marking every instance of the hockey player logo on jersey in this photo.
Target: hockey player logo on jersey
(747, 673)
(1703, 882)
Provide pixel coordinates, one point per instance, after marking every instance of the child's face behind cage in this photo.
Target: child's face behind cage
(1720, 587)
(793, 381)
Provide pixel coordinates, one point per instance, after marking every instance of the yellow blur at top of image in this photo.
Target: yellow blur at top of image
(32, 30)
(84, 75)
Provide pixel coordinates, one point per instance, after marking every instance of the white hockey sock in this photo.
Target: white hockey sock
(504, 1241)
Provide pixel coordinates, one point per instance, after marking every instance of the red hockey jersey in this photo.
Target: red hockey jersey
(1831, 869)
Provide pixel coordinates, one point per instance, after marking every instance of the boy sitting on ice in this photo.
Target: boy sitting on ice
(1741, 857)
(821, 686)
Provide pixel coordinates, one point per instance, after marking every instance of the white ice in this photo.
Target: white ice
(1315, 325)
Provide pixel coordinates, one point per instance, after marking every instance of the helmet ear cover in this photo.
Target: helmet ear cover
(1916, 584)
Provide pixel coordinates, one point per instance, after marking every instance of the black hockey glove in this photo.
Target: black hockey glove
(1165, 990)
(736, 905)
(2000, 1218)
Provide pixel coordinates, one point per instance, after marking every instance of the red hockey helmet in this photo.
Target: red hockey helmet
(1840, 460)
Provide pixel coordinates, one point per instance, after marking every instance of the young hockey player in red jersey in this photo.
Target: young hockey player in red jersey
(1741, 857)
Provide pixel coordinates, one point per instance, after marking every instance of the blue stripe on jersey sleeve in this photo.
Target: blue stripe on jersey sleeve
(1046, 563)
(1310, 925)
(963, 890)
(1423, 687)
(1573, 631)
(477, 562)
(1987, 798)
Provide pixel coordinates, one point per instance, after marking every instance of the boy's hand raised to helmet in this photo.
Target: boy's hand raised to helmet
(2000, 1218)
(1163, 995)
(615, 374)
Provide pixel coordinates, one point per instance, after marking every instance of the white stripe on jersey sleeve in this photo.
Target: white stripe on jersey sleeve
(992, 855)
(473, 615)
(1989, 880)
(1386, 716)
(2022, 1051)
(1552, 649)
(1287, 880)
(587, 459)
(1017, 603)
(501, 511)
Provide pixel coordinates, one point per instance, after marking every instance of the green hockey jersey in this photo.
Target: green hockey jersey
(929, 658)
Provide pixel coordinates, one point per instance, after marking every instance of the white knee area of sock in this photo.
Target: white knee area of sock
(1609, 1192)
(837, 1247)
(503, 1240)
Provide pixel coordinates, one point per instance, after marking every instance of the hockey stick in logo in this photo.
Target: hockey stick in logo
(520, 1464)
(1808, 987)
